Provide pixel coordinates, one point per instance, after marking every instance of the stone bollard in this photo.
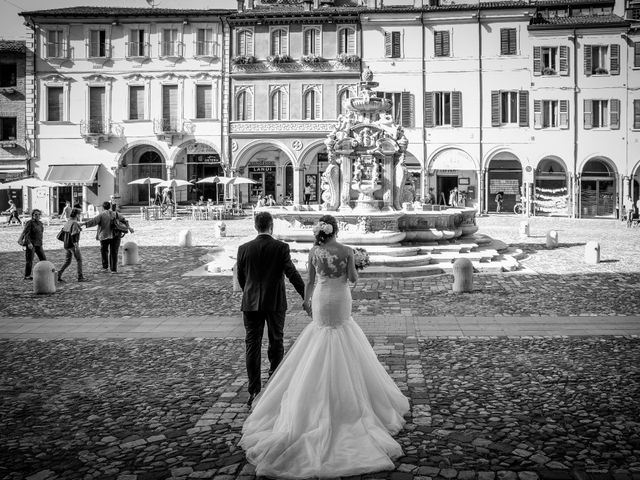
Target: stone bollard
(407, 206)
(44, 277)
(524, 228)
(552, 239)
(185, 238)
(221, 229)
(462, 275)
(130, 253)
(592, 252)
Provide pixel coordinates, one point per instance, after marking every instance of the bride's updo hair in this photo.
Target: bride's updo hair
(326, 228)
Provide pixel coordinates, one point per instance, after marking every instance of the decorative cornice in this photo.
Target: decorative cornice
(291, 67)
(282, 127)
(96, 77)
(55, 77)
(170, 76)
(137, 77)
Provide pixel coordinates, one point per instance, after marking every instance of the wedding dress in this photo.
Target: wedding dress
(330, 408)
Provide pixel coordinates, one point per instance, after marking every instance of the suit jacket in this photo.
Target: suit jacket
(262, 264)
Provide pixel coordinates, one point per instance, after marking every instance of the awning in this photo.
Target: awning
(72, 174)
(453, 159)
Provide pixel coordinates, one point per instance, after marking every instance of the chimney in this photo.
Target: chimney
(249, 4)
(307, 5)
(240, 5)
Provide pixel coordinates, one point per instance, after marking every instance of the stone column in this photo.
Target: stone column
(388, 180)
(345, 187)
(483, 195)
(298, 185)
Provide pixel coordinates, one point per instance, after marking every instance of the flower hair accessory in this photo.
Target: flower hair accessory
(323, 227)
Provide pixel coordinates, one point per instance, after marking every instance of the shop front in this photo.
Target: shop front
(77, 181)
(454, 176)
(504, 176)
(551, 193)
(598, 189)
(203, 161)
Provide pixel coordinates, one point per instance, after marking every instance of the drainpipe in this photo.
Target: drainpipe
(482, 198)
(222, 109)
(575, 209)
(425, 168)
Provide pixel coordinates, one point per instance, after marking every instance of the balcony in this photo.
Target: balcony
(98, 51)
(95, 130)
(169, 130)
(205, 50)
(138, 50)
(303, 65)
(172, 50)
(57, 52)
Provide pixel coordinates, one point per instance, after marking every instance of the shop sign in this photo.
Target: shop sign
(262, 169)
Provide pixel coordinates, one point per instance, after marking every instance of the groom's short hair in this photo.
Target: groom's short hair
(263, 221)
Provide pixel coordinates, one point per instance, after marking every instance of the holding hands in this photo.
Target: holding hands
(306, 305)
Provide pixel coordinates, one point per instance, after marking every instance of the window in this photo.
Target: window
(278, 105)
(204, 104)
(602, 59)
(311, 104)
(636, 54)
(636, 114)
(138, 46)
(136, 102)
(602, 114)
(551, 114)
(443, 109)
(204, 43)
(510, 108)
(244, 44)
(244, 105)
(392, 44)
(441, 43)
(279, 42)
(401, 107)
(170, 47)
(551, 60)
(55, 105)
(8, 75)
(97, 119)
(170, 108)
(311, 40)
(343, 96)
(97, 44)
(7, 128)
(56, 46)
(507, 41)
(347, 41)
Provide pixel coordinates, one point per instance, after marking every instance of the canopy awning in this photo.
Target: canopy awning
(72, 174)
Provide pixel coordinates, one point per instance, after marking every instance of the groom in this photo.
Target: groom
(261, 265)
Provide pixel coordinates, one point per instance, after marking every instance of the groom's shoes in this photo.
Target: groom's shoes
(252, 397)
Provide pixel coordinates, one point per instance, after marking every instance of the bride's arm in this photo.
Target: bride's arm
(308, 289)
(352, 273)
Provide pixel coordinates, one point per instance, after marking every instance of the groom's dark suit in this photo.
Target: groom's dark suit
(262, 265)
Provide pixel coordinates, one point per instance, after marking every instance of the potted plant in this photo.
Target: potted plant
(243, 60)
(345, 58)
(601, 71)
(548, 71)
(311, 58)
(275, 59)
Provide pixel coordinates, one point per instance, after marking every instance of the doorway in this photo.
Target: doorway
(445, 184)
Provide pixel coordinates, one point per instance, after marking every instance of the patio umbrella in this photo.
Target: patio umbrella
(240, 181)
(173, 183)
(215, 179)
(148, 181)
(30, 183)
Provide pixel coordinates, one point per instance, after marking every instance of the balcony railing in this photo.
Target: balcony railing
(98, 50)
(57, 50)
(138, 49)
(95, 129)
(168, 129)
(205, 48)
(172, 49)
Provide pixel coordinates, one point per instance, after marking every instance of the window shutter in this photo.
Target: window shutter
(203, 101)
(284, 104)
(495, 108)
(504, 41)
(248, 40)
(387, 44)
(445, 44)
(406, 99)
(438, 44)
(456, 109)
(564, 114)
(564, 60)
(316, 41)
(537, 114)
(351, 45)
(636, 113)
(55, 97)
(587, 115)
(395, 44)
(587, 60)
(537, 61)
(428, 109)
(636, 54)
(523, 99)
(513, 47)
(317, 105)
(136, 102)
(170, 105)
(615, 59)
(614, 112)
(284, 40)
(249, 105)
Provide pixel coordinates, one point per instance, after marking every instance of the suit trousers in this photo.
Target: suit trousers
(109, 253)
(254, 328)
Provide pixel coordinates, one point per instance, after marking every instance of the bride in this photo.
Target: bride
(330, 408)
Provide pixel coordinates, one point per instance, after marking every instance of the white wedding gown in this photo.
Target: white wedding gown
(330, 408)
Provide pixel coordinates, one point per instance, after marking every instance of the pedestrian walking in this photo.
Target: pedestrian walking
(72, 230)
(12, 211)
(66, 211)
(307, 193)
(499, 200)
(32, 234)
(109, 240)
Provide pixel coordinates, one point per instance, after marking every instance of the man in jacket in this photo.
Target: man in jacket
(262, 265)
(109, 240)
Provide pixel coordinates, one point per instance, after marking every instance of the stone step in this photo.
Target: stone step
(478, 256)
(373, 271)
(390, 261)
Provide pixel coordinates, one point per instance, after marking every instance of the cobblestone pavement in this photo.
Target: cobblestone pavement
(493, 408)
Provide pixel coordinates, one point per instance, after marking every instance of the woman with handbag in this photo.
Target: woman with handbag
(31, 239)
(72, 231)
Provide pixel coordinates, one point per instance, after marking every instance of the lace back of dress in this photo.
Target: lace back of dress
(328, 264)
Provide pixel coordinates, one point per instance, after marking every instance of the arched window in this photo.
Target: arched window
(278, 107)
(343, 96)
(244, 42)
(311, 41)
(279, 42)
(244, 105)
(311, 104)
(347, 41)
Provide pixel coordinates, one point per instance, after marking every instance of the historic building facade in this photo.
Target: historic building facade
(537, 100)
